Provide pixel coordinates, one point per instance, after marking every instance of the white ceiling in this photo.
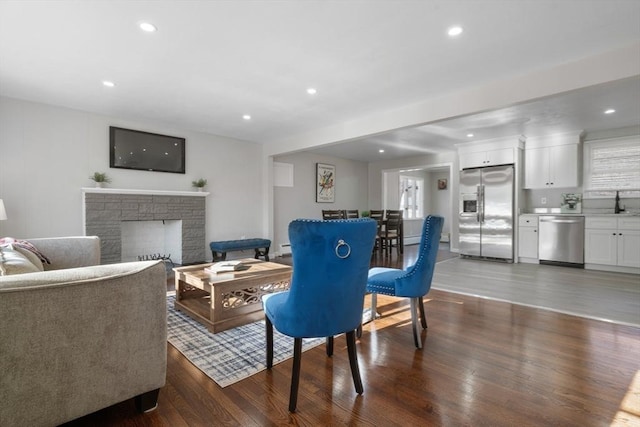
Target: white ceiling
(580, 110)
(211, 62)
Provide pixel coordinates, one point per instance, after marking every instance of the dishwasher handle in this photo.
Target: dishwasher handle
(562, 220)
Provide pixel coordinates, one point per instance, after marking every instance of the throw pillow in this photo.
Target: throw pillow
(13, 262)
(33, 258)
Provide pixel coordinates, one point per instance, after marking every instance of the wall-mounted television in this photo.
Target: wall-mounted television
(134, 149)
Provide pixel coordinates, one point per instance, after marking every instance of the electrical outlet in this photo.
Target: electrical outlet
(543, 200)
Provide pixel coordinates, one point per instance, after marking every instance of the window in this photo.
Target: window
(611, 165)
(411, 196)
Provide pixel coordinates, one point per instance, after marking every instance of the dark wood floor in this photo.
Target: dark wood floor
(484, 363)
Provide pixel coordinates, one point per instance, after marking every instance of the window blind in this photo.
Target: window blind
(613, 165)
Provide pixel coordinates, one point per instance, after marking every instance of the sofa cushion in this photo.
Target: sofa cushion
(13, 261)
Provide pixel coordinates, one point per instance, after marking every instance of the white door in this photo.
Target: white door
(528, 244)
(536, 168)
(563, 166)
(600, 246)
(629, 248)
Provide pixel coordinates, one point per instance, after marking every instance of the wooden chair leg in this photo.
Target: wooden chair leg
(423, 317)
(269, 332)
(414, 322)
(374, 308)
(295, 374)
(330, 346)
(353, 361)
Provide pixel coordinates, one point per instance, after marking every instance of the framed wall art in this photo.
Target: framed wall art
(442, 184)
(325, 183)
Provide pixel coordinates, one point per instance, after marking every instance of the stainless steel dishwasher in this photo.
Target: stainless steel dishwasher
(561, 240)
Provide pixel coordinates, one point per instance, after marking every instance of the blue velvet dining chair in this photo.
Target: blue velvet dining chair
(413, 282)
(326, 293)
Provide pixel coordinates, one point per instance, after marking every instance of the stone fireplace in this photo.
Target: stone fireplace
(105, 210)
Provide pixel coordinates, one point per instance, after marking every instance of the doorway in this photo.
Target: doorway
(418, 192)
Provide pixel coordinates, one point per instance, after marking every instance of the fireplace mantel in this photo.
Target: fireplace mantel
(144, 192)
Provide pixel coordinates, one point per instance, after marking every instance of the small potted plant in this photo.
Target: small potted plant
(199, 184)
(100, 178)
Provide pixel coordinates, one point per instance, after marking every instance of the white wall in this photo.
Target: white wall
(299, 201)
(47, 154)
(448, 160)
(439, 199)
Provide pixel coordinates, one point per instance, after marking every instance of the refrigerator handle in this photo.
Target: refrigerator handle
(478, 203)
(482, 197)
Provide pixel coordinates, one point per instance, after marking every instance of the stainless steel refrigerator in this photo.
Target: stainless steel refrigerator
(486, 212)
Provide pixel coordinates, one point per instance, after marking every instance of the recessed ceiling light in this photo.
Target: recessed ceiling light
(610, 111)
(381, 151)
(469, 135)
(246, 117)
(108, 83)
(312, 91)
(149, 28)
(454, 31)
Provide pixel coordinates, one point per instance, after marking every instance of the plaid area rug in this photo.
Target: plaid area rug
(228, 356)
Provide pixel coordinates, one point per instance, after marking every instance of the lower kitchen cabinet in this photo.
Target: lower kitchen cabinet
(611, 241)
(528, 238)
(629, 248)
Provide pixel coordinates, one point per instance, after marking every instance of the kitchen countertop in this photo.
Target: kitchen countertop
(610, 214)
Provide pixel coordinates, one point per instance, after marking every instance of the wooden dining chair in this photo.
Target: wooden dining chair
(351, 213)
(390, 235)
(331, 214)
(376, 214)
(397, 214)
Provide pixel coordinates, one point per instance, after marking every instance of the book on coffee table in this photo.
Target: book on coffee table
(226, 266)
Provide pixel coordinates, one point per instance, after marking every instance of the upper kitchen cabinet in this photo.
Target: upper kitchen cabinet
(552, 161)
(503, 156)
(489, 153)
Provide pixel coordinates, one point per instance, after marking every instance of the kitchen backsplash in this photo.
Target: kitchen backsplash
(533, 199)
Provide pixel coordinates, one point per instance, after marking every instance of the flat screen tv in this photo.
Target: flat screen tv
(134, 149)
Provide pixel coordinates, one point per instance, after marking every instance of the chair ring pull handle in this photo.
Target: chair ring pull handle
(339, 245)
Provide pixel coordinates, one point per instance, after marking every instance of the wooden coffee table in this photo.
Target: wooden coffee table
(226, 300)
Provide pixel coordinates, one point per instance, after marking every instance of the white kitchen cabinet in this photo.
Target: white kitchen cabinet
(503, 156)
(601, 246)
(551, 167)
(629, 242)
(612, 241)
(528, 238)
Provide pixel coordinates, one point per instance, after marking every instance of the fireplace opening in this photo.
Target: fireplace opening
(156, 257)
(151, 240)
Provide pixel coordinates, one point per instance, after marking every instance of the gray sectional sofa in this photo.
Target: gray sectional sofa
(79, 337)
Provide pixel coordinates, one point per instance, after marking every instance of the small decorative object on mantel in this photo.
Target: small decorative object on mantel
(100, 178)
(199, 184)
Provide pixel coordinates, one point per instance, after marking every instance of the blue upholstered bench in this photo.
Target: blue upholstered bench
(261, 246)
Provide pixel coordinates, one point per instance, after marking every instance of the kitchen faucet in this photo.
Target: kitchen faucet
(617, 208)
